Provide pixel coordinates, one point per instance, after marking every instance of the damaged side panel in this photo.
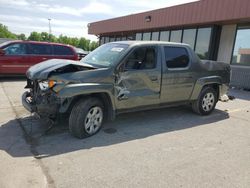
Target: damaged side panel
(137, 88)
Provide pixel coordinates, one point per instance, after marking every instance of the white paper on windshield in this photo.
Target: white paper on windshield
(116, 49)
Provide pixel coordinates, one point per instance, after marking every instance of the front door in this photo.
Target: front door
(138, 82)
(15, 59)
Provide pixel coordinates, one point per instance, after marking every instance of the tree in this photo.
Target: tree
(74, 41)
(21, 36)
(35, 36)
(93, 45)
(52, 38)
(5, 33)
(44, 36)
(63, 39)
(83, 43)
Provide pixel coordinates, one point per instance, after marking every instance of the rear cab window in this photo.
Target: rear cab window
(62, 50)
(176, 57)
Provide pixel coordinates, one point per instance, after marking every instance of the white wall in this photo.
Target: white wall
(226, 43)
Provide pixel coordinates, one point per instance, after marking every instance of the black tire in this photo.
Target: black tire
(202, 106)
(78, 117)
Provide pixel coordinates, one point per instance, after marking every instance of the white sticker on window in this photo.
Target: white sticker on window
(117, 49)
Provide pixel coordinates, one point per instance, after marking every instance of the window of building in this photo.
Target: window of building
(118, 38)
(189, 37)
(131, 37)
(106, 39)
(111, 39)
(124, 38)
(164, 36)
(202, 42)
(146, 36)
(102, 40)
(176, 57)
(155, 36)
(15, 49)
(175, 36)
(141, 58)
(241, 52)
(62, 50)
(138, 36)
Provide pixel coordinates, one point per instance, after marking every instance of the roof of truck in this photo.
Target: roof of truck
(135, 42)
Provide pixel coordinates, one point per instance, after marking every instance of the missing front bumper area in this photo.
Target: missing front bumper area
(44, 106)
(27, 103)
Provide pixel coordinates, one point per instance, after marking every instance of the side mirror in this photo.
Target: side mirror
(2, 52)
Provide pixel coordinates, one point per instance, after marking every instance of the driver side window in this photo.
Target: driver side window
(15, 49)
(141, 58)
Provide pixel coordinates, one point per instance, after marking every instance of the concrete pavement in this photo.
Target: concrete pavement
(160, 148)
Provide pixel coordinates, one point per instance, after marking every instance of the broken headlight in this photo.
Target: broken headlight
(45, 85)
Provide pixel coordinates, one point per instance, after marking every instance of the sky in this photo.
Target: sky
(70, 17)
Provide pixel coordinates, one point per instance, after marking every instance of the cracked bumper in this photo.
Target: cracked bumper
(26, 103)
(42, 108)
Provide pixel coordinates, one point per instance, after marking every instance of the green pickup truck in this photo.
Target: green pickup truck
(122, 77)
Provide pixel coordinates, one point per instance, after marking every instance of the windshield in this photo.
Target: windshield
(105, 55)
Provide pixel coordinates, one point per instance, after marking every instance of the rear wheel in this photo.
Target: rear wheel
(206, 102)
(86, 118)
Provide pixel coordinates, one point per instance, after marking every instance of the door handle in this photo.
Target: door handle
(44, 58)
(153, 78)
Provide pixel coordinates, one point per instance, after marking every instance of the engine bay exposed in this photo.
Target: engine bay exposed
(70, 68)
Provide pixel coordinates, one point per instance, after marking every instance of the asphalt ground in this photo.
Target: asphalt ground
(159, 148)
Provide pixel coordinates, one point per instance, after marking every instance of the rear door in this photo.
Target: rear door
(64, 52)
(138, 83)
(177, 77)
(39, 52)
(15, 60)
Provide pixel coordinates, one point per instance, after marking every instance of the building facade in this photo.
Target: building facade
(215, 29)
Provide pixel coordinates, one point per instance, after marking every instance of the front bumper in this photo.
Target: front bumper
(44, 107)
(27, 103)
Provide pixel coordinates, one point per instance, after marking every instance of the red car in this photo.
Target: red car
(17, 56)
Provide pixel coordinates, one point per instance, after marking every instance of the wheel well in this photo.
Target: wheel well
(103, 97)
(215, 86)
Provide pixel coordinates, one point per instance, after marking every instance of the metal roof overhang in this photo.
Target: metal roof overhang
(202, 12)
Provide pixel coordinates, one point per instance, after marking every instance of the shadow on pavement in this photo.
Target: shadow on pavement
(12, 78)
(125, 128)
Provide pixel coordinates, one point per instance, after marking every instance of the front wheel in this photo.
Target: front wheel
(206, 102)
(86, 118)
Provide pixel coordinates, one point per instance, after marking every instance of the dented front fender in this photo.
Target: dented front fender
(73, 90)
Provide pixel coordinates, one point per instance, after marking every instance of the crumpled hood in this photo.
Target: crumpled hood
(42, 70)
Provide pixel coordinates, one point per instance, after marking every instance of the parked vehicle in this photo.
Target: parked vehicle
(2, 40)
(123, 77)
(81, 53)
(17, 56)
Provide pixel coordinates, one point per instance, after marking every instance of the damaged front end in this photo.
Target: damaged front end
(41, 99)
